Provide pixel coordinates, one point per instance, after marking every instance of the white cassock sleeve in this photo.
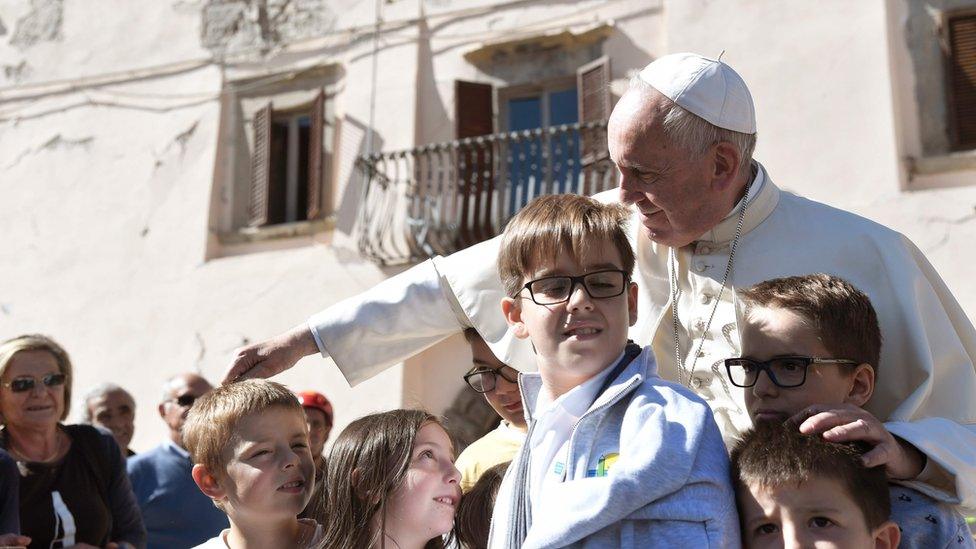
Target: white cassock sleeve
(405, 314)
(936, 410)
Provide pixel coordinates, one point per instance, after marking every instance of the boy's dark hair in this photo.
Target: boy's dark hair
(553, 225)
(841, 314)
(776, 454)
(471, 335)
(473, 520)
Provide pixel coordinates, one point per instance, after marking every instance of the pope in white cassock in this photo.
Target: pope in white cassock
(707, 220)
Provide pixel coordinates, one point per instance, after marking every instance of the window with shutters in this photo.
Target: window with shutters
(286, 164)
(935, 92)
(531, 165)
(960, 43)
(273, 169)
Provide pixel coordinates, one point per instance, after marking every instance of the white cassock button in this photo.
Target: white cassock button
(704, 250)
(700, 324)
(699, 266)
(706, 299)
(696, 382)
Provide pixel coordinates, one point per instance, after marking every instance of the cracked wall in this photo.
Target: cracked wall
(42, 23)
(232, 25)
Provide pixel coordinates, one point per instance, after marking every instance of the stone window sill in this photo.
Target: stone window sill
(950, 170)
(248, 235)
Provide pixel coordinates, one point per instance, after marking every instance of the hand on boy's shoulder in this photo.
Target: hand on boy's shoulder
(846, 423)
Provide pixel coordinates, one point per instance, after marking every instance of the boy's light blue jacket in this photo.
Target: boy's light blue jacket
(646, 468)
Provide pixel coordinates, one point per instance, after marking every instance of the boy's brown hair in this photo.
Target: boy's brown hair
(841, 314)
(555, 224)
(777, 454)
(213, 418)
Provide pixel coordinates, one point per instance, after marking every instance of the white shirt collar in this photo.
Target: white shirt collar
(578, 399)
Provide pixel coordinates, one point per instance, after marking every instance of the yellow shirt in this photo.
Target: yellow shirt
(498, 446)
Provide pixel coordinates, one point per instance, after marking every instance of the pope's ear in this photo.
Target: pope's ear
(727, 161)
(207, 482)
(512, 310)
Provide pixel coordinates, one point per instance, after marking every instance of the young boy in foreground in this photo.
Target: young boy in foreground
(249, 443)
(614, 456)
(498, 382)
(816, 339)
(797, 490)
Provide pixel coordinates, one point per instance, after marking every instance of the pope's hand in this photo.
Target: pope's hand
(271, 357)
(846, 422)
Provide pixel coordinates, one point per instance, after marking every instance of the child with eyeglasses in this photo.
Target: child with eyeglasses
(498, 382)
(614, 455)
(810, 350)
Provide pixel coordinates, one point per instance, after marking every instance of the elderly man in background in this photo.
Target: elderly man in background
(707, 219)
(112, 408)
(177, 514)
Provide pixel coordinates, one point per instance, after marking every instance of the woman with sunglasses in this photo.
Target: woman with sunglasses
(73, 488)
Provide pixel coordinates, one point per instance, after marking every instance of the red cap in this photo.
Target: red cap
(317, 401)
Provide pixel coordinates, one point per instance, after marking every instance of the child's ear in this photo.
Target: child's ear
(207, 483)
(358, 490)
(512, 310)
(887, 536)
(862, 385)
(632, 302)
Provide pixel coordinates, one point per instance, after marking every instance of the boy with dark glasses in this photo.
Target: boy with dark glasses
(810, 350)
(498, 382)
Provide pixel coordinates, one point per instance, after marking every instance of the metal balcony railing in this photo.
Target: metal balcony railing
(443, 197)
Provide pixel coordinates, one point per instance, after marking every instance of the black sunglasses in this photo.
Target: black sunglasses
(483, 380)
(22, 384)
(552, 290)
(185, 400)
(784, 371)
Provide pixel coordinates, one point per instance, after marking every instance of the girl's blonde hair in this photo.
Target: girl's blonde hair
(367, 462)
(37, 342)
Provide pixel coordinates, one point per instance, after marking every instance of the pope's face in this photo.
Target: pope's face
(670, 187)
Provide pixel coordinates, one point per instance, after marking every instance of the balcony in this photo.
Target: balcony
(443, 197)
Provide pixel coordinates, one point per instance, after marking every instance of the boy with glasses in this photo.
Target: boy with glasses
(498, 382)
(810, 346)
(614, 455)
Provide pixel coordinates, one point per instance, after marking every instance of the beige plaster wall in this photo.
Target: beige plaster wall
(105, 211)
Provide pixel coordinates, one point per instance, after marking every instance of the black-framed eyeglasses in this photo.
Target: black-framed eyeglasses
(185, 400)
(22, 384)
(552, 290)
(483, 379)
(784, 371)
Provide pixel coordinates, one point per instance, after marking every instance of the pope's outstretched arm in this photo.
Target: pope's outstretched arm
(396, 319)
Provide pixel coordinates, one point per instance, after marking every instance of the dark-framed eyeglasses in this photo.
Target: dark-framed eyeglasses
(784, 371)
(552, 290)
(184, 400)
(25, 383)
(483, 380)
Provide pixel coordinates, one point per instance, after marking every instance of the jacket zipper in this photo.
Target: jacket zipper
(572, 435)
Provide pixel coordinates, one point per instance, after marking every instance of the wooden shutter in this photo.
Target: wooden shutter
(473, 111)
(474, 116)
(961, 78)
(593, 85)
(315, 156)
(260, 168)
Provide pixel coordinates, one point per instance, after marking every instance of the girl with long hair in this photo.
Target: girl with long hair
(391, 483)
